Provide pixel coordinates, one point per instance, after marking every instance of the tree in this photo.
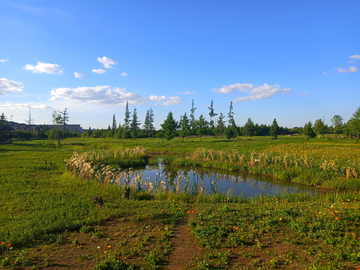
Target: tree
(201, 126)
(308, 131)
(184, 126)
(192, 117)
(5, 134)
(126, 126)
(135, 124)
(149, 120)
(231, 115)
(212, 114)
(319, 127)
(274, 130)
(230, 132)
(64, 118)
(249, 128)
(57, 121)
(169, 126)
(337, 123)
(354, 124)
(221, 124)
(114, 125)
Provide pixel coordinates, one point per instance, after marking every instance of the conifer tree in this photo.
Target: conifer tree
(221, 124)
(212, 114)
(184, 126)
(126, 126)
(135, 124)
(169, 126)
(114, 125)
(192, 118)
(274, 130)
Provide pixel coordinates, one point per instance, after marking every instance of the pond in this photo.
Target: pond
(209, 181)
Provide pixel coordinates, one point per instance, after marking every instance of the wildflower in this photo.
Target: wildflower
(297, 218)
(2, 243)
(336, 218)
(161, 210)
(9, 245)
(179, 208)
(109, 246)
(218, 219)
(309, 224)
(98, 247)
(188, 212)
(192, 212)
(247, 221)
(351, 222)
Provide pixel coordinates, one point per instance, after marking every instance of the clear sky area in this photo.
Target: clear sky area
(296, 61)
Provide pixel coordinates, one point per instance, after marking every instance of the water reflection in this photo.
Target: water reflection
(204, 181)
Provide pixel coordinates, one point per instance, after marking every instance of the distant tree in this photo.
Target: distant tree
(64, 118)
(5, 133)
(230, 132)
(274, 130)
(337, 123)
(319, 128)
(212, 114)
(135, 125)
(192, 118)
(57, 119)
(221, 124)
(354, 123)
(249, 128)
(231, 114)
(201, 126)
(308, 130)
(184, 126)
(169, 127)
(114, 125)
(126, 126)
(148, 123)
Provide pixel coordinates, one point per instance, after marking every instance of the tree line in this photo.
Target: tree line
(188, 125)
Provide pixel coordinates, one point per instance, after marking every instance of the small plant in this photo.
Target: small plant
(86, 229)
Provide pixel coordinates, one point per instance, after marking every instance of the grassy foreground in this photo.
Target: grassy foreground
(47, 214)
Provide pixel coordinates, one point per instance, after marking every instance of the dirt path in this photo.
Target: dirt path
(185, 248)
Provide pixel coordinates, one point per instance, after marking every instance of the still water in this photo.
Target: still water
(209, 181)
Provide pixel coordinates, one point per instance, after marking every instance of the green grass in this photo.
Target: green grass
(40, 203)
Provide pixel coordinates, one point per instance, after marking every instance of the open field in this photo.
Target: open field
(48, 216)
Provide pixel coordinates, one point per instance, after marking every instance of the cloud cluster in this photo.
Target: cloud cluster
(123, 74)
(189, 93)
(3, 60)
(78, 75)
(349, 70)
(23, 106)
(44, 68)
(324, 73)
(355, 56)
(7, 86)
(107, 95)
(255, 92)
(99, 71)
(107, 62)
(98, 95)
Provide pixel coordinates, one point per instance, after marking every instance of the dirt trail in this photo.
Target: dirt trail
(185, 248)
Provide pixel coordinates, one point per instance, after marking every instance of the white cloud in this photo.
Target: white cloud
(99, 71)
(3, 60)
(7, 86)
(123, 74)
(78, 75)
(324, 73)
(355, 56)
(98, 95)
(306, 93)
(23, 106)
(107, 62)
(172, 101)
(189, 93)
(255, 92)
(344, 70)
(157, 98)
(44, 68)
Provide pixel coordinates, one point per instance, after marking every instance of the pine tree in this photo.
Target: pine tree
(221, 124)
(201, 126)
(114, 125)
(308, 130)
(355, 123)
(184, 126)
(135, 124)
(64, 118)
(147, 121)
(212, 114)
(152, 116)
(169, 126)
(192, 118)
(249, 128)
(231, 115)
(274, 130)
(126, 126)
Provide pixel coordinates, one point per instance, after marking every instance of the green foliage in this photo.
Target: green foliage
(184, 126)
(249, 128)
(5, 134)
(274, 130)
(169, 126)
(308, 130)
(201, 126)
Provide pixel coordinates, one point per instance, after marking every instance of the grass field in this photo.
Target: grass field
(49, 219)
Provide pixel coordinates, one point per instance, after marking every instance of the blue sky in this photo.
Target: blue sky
(295, 61)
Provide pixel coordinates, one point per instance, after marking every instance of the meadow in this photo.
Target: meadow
(48, 218)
